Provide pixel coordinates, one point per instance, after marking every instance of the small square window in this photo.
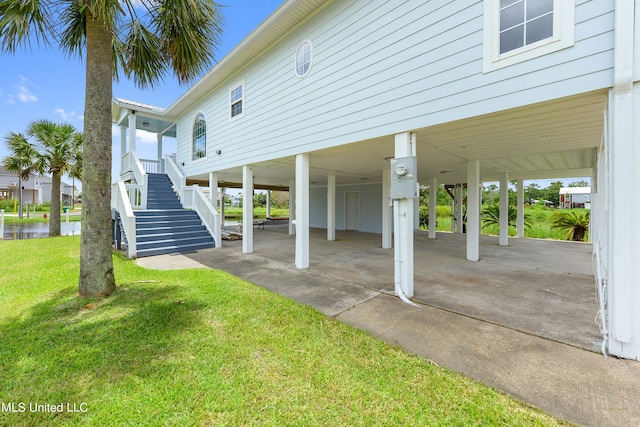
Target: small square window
(518, 30)
(236, 98)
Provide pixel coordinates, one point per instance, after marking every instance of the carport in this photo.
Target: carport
(540, 287)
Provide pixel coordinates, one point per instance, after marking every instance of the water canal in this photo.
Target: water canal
(37, 230)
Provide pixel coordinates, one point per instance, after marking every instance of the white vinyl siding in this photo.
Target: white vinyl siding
(381, 68)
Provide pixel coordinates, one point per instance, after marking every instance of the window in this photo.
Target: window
(199, 146)
(518, 30)
(304, 56)
(236, 98)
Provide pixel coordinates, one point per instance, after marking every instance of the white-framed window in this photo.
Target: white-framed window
(199, 138)
(518, 30)
(304, 58)
(236, 100)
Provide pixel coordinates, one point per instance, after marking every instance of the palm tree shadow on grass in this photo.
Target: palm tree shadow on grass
(65, 343)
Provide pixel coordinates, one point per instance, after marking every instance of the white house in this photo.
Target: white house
(349, 103)
(575, 197)
(32, 191)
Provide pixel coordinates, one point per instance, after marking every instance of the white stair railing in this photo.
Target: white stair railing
(193, 197)
(175, 175)
(120, 202)
(208, 214)
(141, 177)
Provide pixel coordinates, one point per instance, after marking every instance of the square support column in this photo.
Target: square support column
(213, 197)
(433, 198)
(160, 137)
(302, 211)
(403, 224)
(247, 209)
(473, 210)
(132, 131)
(504, 210)
(292, 207)
(520, 219)
(213, 189)
(387, 219)
(331, 207)
(123, 139)
(459, 208)
(268, 201)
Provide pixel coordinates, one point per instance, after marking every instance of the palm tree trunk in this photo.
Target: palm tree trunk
(54, 221)
(96, 264)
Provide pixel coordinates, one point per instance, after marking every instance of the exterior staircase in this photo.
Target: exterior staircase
(165, 227)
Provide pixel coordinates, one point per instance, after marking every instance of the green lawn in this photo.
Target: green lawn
(202, 347)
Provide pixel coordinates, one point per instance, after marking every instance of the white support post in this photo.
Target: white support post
(123, 145)
(331, 207)
(302, 211)
(1, 224)
(520, 219)
(504, 210)
(268, 207)
(433, 198)
(247, 209)
(123, 139)
(160, 138)
(223, 190)
(292, 207)
(132, 131)
(473, 210)
(459, 208)
(213, 189)
(403, 214)
(387, 219)
(623, 260)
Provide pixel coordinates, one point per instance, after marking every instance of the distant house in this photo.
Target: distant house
(32, 190)
(35, 190)
(68, 192)
(575, 197)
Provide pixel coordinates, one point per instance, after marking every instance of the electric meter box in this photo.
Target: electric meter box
(404, 178)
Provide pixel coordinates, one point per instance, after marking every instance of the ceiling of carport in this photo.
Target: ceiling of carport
(556, 139)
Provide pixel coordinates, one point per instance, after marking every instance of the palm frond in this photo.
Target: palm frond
(22, 21)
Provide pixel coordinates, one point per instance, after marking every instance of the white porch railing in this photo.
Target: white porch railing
(192, 197)
(120, 202)
(152, 166)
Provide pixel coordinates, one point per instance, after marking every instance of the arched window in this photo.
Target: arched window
(199, 146)
(304, 57)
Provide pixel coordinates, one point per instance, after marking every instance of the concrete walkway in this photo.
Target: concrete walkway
(476, 324)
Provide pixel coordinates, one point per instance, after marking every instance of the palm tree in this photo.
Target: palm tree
(491, 216)
(55, 150)
(575, 223)
(142, 39)
(20, 161)
(57, 146)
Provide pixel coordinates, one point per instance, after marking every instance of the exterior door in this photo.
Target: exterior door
(352, 210)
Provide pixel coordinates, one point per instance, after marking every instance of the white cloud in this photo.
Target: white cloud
(66, 115)
(25, 95)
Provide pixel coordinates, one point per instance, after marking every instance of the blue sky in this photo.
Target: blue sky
(42, 83)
